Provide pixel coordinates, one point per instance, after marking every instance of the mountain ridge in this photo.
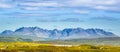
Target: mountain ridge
(66, 33)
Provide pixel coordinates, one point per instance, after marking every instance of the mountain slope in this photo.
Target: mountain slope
(67, 33)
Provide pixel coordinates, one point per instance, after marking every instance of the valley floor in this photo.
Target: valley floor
(38, 47)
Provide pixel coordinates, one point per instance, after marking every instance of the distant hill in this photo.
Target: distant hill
(13, 39)
(114, 41)
(68, 33)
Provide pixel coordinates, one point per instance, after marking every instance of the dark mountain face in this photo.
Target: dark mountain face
(7, 32)
(59, 34)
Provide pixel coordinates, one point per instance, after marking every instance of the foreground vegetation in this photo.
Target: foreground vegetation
(37, 47)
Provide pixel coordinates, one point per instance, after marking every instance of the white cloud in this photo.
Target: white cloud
(110, 8)
(3, 5)
(31, 8)
(39, 4)
(82, 11)
(7, 4)
(26, 14)
(111, 5)
(30, 14)
(93, 2)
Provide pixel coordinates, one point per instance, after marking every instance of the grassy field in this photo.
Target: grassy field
(39, 47)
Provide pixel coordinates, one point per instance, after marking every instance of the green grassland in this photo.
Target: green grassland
(39, 47)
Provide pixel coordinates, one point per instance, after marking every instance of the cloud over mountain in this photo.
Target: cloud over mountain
(60, 20)
(105, 18)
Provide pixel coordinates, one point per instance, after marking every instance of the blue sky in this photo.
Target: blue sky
(60, 14)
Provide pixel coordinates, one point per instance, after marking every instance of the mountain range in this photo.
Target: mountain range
(68, 33)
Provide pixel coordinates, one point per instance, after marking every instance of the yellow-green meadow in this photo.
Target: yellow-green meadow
(40, 47)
